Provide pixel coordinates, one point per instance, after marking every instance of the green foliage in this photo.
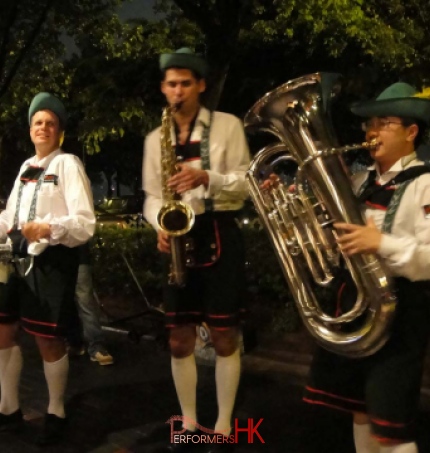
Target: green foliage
(110, 81)
(32, 51)
(33, 58)
(112, 276)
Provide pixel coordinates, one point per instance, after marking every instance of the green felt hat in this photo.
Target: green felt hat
(399, 99)
(184, 58)
(47, 101)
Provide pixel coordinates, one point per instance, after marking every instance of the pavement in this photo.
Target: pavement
(110, 407)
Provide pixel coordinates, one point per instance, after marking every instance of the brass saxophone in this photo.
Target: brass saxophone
(175, 217)
(299, 220)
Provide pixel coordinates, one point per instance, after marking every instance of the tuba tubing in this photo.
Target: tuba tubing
(300, 226)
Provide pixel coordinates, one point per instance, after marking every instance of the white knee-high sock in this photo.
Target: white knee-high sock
(364, 442)
(10, 372)
(410, 447)
(56, 378)
(184, 372)
(227, 375)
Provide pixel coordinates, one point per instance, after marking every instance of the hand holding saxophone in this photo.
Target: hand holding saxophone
(187, 178)
(355, 239)
(163, 242)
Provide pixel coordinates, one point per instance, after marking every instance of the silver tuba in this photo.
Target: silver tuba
(298, 217)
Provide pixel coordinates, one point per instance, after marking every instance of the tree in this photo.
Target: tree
(384, 34)
(32, 59)
(247, 44)
(111, 82)
(114, 83)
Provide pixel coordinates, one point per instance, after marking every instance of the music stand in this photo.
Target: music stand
(153, 315)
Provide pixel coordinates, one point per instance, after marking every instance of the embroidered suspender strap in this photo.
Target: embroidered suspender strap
(393, 206)
(32, 211)
(18, 204)
(205, 157)
(402, 184)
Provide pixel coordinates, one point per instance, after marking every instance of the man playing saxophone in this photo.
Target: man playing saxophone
(382, 390)
(211, 179)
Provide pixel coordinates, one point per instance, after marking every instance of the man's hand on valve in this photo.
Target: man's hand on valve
(358, 238)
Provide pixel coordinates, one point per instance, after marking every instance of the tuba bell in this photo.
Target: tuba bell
(298, 214)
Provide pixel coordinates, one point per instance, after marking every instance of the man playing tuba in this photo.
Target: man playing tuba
(382, 390)
(211, 179)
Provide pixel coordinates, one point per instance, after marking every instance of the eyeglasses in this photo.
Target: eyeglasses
(381, 124)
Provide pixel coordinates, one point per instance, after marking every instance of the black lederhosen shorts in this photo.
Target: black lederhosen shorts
(387, 384)
(43, 301)
(214, 292)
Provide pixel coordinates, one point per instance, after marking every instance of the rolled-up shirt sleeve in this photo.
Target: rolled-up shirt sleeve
(77, 225)
(151, 177)
(406, 251)
(231, 183)
(7, 216)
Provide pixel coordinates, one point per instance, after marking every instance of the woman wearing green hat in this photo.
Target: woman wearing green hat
(48, 214)
(382, 391)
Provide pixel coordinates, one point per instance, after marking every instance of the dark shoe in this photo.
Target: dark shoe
(11, 422)
(53, 430)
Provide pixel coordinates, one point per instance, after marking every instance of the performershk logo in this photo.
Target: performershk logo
(209, 436)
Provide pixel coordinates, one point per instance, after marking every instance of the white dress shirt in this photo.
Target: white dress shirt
(406, 250)
(67, 206)
(229, 161)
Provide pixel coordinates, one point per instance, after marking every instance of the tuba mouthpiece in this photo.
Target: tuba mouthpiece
(370, 145)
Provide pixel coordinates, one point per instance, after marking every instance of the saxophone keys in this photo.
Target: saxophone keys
(189, 245)
(190, 262)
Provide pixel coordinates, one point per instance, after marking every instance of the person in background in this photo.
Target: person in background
(382, 391)
(211, 179)
(48, 215)
(88, 330)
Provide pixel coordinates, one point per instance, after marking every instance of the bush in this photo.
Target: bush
(126, 268)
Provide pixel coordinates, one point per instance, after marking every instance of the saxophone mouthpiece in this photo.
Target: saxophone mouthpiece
(177, 106)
